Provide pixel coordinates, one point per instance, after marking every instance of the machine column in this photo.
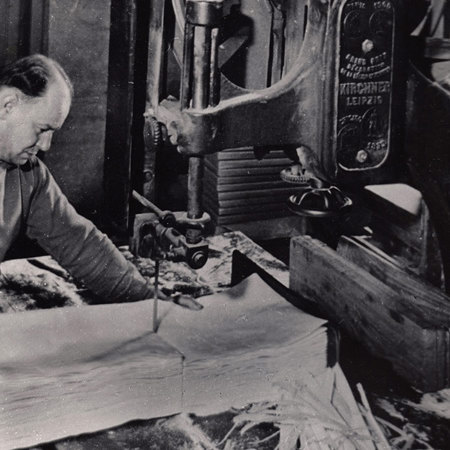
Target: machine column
(200, 83)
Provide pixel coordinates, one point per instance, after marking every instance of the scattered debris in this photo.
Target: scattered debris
(390, 409)
(308, 414)
(435, 402)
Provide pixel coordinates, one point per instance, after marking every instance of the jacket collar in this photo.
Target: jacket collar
(6, 165)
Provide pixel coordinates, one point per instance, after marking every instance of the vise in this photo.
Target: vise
(333, 99)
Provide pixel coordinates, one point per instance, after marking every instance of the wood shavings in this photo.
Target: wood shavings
(372, 423)
(387, 434)
(436, 402)
(390, 409)
(306, 415)
(401, 438)
(185, 424)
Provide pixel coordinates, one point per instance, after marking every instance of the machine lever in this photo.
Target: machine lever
(165, 217)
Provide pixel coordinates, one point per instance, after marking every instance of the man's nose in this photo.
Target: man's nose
(45, 140)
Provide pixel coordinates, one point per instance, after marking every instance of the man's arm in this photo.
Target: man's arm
(78, 245)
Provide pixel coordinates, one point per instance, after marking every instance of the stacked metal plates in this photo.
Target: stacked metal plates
(238, 187)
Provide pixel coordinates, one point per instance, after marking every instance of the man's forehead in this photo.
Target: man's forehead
(54, 106)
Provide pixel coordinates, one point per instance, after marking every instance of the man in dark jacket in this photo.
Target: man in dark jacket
(35, 99)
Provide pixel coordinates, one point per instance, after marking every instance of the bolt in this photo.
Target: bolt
(362, 156)
(367, 46)
(198, 260)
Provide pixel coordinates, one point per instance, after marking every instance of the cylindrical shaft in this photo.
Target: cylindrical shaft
(214, 76)
(202, 52)
(205, 17)
(186, 89)
(195, 185)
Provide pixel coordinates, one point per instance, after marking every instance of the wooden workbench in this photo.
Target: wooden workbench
(41, 283)
(388, 395)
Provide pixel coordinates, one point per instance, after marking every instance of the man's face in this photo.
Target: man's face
(27, 125)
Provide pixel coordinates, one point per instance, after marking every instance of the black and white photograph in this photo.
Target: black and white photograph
(224, 224)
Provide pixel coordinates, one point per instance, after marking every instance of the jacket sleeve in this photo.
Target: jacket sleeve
(78, 245)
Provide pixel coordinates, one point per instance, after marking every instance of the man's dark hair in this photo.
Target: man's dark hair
(32, 75)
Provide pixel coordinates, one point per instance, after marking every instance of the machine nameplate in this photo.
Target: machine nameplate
(364, 91)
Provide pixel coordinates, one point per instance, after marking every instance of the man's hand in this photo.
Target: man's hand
(187, 302)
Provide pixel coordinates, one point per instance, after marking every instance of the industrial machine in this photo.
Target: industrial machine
(333, 100)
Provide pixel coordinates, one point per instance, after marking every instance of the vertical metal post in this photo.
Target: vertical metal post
(214, 81)
(200, 83)
(202, 50)
(276, 44)
(195, 187)
(186, 91)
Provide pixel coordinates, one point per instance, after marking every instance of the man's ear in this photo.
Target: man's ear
(8, 101)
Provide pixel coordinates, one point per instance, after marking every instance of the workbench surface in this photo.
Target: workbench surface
(41, 283)
(36, 283)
